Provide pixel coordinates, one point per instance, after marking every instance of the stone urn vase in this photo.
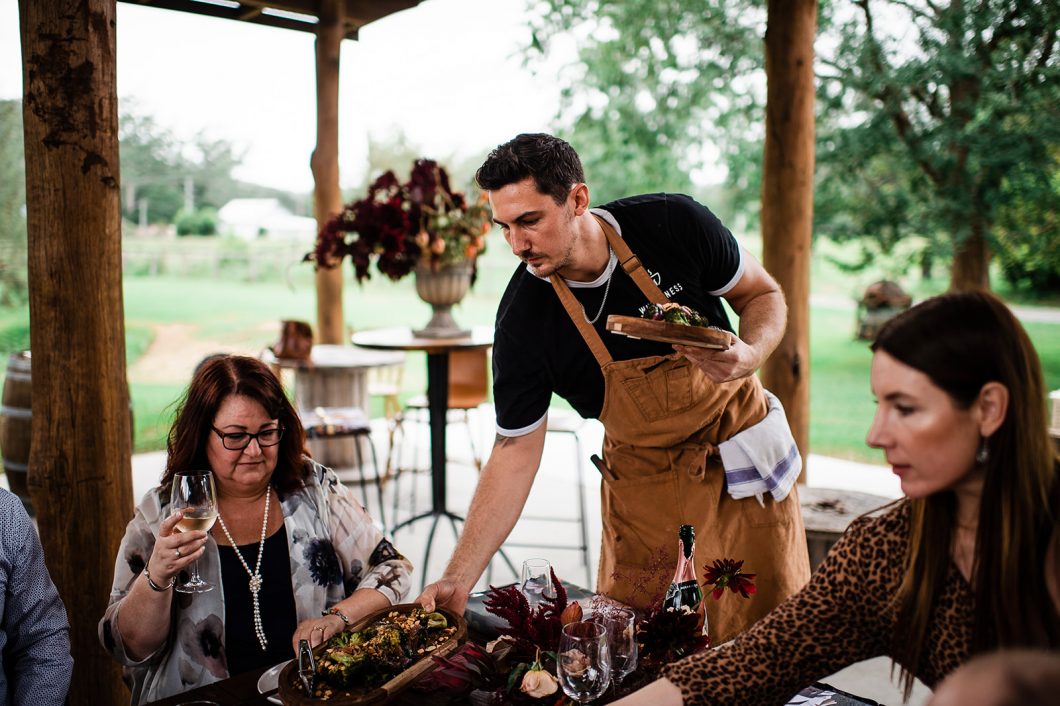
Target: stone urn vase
(442, 288)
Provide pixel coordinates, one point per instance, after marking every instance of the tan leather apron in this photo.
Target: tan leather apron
(663, 419)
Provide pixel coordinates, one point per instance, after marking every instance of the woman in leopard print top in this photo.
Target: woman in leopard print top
(968, 562)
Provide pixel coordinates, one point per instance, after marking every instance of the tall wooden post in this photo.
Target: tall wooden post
(79, 464)
(787, 199)
(327, 196)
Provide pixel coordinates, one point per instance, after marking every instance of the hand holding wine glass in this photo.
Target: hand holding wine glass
(583, 663)
(194, 495)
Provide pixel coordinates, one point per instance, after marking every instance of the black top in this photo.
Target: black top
(276, 600)
(689, 254)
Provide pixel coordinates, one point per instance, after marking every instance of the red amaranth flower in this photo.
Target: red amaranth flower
(726, 573)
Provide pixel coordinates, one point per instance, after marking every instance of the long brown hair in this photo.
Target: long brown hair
(963, 341)
(217, 378)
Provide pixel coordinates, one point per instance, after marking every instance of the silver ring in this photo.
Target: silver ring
(178, 553)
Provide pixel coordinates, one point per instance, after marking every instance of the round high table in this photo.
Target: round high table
(437, 350)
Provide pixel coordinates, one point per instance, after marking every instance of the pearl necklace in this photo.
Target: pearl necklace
(255, 575)
(607, 288)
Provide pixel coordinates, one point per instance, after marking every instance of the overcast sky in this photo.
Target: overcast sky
(448, 73)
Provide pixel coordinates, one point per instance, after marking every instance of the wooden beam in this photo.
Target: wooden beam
(787, 200)
(355, 13)
(327, 196)
(79, 465)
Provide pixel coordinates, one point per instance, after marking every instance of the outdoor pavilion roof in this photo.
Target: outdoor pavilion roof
(286, 14)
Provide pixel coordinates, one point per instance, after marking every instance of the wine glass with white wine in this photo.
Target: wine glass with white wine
(193, 493)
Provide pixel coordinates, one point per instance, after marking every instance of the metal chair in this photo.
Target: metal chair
(343, 422)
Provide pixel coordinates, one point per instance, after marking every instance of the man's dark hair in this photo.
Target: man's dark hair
(553, 164)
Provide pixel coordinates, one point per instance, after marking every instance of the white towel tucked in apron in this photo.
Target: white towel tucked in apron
(762, 458)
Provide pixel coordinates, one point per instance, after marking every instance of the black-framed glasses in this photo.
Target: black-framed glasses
(239, 440)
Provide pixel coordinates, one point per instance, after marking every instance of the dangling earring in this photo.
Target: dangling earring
(983, 454)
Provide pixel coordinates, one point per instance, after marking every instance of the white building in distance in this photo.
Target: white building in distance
(250, 219)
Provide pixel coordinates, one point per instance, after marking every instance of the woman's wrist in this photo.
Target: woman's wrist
(339, 615)
(165, 586)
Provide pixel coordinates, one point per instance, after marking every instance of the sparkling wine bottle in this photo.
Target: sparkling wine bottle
(684, 593)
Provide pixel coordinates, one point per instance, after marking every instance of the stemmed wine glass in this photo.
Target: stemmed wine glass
(536, 581)
(621, 624)
(583, 663)
(194, 493)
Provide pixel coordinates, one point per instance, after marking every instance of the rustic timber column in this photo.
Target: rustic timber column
(79, 464)
(787, 199)
(327, 196)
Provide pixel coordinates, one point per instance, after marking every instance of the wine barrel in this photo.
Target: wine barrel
(15, 418)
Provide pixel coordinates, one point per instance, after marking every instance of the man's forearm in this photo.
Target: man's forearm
(495, 508)
(762, 324)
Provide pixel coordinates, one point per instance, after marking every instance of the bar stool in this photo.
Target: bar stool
(562, 421)
(340, 422)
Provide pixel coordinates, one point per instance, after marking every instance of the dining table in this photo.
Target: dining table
(251, 689)
(438, 351)
(242, 690)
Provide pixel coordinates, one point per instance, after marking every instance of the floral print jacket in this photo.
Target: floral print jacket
(334, 549)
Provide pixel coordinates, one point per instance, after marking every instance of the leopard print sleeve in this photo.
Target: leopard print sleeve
(843, 615)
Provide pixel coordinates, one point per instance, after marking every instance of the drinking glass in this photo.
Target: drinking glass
(621, 624)
(536, 581)
(194, 493)
(583, 663)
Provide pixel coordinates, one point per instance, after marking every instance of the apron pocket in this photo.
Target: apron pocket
(661, 396)
(636, 517)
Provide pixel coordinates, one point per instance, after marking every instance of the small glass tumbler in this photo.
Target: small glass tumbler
(536, 581)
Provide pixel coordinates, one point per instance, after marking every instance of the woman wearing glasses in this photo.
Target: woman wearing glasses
(287, 533)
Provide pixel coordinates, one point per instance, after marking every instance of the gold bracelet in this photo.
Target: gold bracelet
(155, 587)
(336, 611)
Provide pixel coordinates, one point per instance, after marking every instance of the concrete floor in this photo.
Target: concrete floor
(555, 495)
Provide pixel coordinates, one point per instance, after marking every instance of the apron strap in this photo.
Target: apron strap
(632, 266)
(577, 315)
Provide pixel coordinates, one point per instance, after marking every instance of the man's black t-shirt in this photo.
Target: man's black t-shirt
(686, 250)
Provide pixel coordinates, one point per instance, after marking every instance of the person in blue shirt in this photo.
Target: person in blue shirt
(34, 632)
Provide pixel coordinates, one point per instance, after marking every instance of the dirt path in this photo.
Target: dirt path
(174, 353)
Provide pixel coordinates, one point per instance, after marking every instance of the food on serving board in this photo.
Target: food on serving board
(379, 652)
(674, 313)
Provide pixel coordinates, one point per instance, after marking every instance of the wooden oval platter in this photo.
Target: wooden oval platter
(699, 336)
(292, 693)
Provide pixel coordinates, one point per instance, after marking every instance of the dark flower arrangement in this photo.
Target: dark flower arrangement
(518, 667)
(400, 224)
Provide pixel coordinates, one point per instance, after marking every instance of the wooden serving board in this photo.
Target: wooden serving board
(292, 694)
(699, 336)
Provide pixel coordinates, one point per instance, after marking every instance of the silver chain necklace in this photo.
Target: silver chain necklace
(255, 575)
(607, 288)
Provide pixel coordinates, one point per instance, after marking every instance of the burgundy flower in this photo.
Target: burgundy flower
(384, 224)
(726, 573)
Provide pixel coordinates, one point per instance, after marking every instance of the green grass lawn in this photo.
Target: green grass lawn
(224, 307)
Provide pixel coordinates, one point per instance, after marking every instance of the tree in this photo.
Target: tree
(656, 86)
(956, 102)
(950, 107)
(13, 283)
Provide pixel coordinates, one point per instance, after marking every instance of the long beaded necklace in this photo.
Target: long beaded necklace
(607, 288)
(255, 575)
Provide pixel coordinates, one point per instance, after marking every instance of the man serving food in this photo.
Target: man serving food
(670, 412)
